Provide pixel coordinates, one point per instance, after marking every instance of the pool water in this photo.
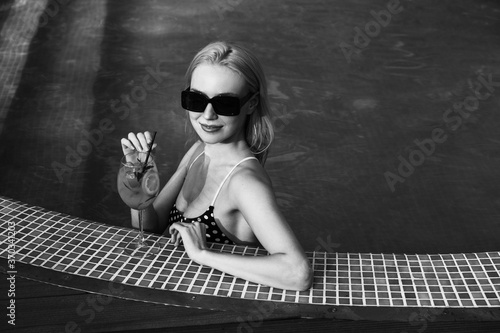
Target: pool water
(386, 112)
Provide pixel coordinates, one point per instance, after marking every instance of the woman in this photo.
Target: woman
(220, 191)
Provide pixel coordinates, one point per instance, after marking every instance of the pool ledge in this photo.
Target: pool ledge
(75, 253)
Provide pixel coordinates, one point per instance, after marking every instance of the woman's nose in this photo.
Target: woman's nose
(209, 112)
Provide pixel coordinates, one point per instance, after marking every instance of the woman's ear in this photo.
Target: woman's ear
(253, 103)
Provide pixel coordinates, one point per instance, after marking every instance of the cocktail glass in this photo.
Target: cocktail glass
(138, 185)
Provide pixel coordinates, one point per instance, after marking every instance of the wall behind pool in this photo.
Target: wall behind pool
(387, 135)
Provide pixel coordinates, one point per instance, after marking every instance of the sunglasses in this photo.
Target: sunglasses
(222, 104)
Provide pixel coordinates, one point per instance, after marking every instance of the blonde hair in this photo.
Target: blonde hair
(259, 131)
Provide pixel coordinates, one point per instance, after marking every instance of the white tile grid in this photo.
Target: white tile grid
(400, 280)
(162, 268)
(496, 265)
(387, 281)
(427, 295)
(56, 253)
(73, 227)
(452, 283)
(486, 274)
(106, 253)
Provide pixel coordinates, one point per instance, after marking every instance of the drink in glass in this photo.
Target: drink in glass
(138, 185)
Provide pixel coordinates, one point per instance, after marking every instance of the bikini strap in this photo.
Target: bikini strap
(195, 160)
(227, 176)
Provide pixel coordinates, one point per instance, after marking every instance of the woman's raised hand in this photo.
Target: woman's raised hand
(137, 143)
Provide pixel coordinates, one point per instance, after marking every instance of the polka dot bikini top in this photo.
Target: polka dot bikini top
(214, 233)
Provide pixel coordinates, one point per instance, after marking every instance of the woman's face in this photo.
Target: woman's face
(213, 80)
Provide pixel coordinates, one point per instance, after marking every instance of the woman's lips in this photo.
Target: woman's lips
(210, 128)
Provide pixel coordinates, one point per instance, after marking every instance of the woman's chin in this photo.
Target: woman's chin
(210, 137)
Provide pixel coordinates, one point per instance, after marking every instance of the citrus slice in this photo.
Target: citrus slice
(151, 183)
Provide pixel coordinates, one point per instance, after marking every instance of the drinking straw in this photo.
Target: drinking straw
(149, 152)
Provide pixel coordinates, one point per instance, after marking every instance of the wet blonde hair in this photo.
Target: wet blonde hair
(259, 132)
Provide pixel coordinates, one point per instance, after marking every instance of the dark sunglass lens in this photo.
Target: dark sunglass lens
(193, 101)
(226, 105)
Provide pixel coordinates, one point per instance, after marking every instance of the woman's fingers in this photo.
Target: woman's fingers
(135, 141)
(174, 237)
(127, 146)
(149, 139)
(192, 234)
(173, 227)
(142, 142)
(139, 142)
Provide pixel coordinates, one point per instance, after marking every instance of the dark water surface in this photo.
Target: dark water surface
(96, 70)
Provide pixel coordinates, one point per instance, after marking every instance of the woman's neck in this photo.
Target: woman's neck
(227, 151)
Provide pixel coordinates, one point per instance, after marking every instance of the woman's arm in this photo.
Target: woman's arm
(285, 267)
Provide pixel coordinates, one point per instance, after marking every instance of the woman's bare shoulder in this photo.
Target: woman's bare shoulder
(250, 179)
(191, 154)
